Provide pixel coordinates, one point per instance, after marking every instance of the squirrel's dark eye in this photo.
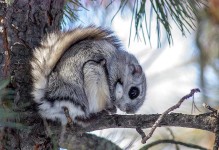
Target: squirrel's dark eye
(133, 92)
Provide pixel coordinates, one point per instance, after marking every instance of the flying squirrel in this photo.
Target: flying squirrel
(87, 71)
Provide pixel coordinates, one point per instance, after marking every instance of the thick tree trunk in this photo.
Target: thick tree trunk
(25, 24)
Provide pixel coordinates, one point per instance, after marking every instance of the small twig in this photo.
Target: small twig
(69, 119)
(156, 124)
(209, 108)
(141, 132)
(194, 107)
(172, 142)
(216, 141)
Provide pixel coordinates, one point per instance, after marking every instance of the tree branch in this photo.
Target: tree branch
(216, 113)
(205, 121)
(34, 123)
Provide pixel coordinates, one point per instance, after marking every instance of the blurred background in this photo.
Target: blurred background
(177, 44)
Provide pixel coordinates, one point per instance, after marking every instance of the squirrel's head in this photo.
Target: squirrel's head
(129, 86)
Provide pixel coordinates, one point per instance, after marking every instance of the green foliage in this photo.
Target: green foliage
(182, 12)
(70, 10)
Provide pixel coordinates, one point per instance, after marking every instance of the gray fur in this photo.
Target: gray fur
(93, 62)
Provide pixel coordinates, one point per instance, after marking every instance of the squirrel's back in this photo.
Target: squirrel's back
(53, 48)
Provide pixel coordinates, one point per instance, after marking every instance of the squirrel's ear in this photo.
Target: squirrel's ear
(135, 69)
(138, 69)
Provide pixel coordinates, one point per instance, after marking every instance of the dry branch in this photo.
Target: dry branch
(33, 124)
(209, 108)
(205, 121)
(216, 113)
(156, 124)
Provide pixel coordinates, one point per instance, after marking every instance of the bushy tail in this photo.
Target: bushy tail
(51, 50)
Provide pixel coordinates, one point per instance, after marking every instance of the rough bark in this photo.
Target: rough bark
(2, 51)
(207, 122)
(25, 23)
